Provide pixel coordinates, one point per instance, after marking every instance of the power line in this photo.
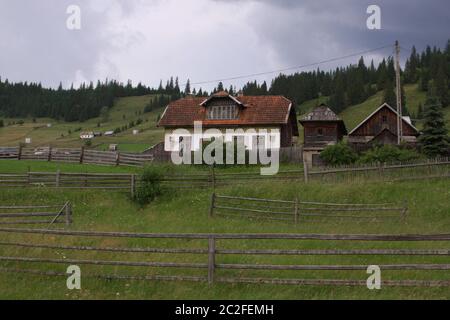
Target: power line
(291, 68)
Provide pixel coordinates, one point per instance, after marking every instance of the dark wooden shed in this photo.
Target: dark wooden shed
(380, 127)
(322, 127)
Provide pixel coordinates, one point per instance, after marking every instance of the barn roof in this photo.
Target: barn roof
(321, 113)
(405, 119)
(255, 110)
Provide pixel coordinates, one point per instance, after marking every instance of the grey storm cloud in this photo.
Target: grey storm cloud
(201, 39)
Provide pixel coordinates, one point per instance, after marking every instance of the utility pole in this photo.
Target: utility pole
(398, 93)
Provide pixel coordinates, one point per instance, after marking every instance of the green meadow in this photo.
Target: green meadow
(186, 211)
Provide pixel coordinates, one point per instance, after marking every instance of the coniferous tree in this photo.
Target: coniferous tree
(389, 96)
(434, 140)
(337, 100)
(187, 89)
(441, 85)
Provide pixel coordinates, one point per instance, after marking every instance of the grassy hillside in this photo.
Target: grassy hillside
(67, 134)
(186, 211)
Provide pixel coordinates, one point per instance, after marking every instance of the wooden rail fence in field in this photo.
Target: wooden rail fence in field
(123, 181)
(66, 180)
(299, 259)
(429, 169)
(38, 214)
(295, 210)
(76, 155)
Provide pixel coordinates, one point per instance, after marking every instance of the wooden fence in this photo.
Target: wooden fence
(66, 180)
(76, 155)
(38, 214)
(436, 169)
(295, 211)
(429, 169)
(299, 259)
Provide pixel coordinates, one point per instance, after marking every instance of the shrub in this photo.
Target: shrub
(88, 142)
(149, 186)
(388, 153)
(339, 154)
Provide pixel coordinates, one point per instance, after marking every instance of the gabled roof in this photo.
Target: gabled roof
(321, 113)
(220, 94)
(256, 110)
(384, 105)
(385, 131)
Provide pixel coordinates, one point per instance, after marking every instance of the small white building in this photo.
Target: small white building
(86, 135)
(109, 133)
(135, 131)
(27, 140)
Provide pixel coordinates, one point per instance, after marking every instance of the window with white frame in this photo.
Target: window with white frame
(225, 112)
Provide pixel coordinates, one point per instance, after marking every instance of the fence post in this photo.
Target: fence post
(19, 152)
(405, 210)
(305, 170)
(29, 176)
(117, 158)
(81, 154)
(296, 210)
(58, 174)
(213, 202)
(213, 178)
(49, 156)
(133, 185)
(211, 258)
(68, 213)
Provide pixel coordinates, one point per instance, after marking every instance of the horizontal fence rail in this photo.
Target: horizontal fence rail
(76, 155)
(225, 258)
(293, 211)
(38, 214)
(60, 180)
(429, 169)
(440, 168)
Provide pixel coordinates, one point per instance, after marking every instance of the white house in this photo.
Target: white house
(87, 135)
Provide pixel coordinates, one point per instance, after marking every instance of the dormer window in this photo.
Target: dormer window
(222, 112)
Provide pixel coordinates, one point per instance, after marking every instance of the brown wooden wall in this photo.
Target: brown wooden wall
(384, 118)
(330, 132)
(287, 131)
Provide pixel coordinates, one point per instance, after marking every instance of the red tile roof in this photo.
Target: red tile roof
(255, 110)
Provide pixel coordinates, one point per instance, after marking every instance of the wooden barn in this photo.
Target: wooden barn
(380, 127)
(321, 127)
(223, 111)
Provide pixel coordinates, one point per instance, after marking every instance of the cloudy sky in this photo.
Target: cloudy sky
(149, 40)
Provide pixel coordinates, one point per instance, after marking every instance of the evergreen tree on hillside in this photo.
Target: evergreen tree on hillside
(337, 100)
(187, 89)
(434, 140)
(389, 96)
(440, 85)
(411, 67)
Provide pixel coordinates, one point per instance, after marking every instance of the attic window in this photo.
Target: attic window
(384, 118)
(320, 132)
(222, 112)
